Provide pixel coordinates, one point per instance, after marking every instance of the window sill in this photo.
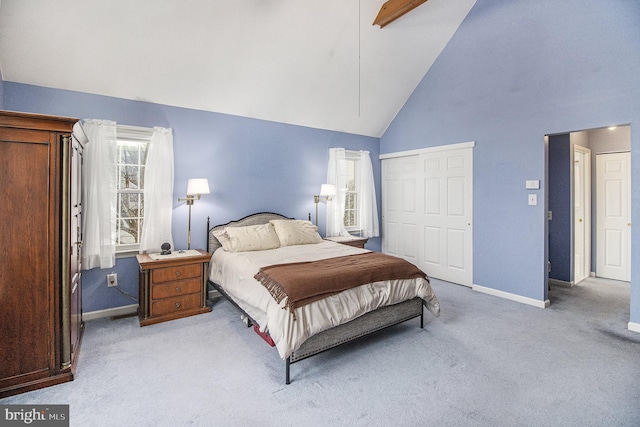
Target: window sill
(127, 254)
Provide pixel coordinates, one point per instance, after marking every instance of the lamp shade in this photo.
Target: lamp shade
(197, 186)
(328, 190)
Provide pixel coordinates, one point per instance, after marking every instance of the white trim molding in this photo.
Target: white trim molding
(634, 327)
(512, 297)
(458, 146)
(125, 310)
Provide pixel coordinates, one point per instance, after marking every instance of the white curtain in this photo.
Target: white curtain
(336, 175)
(367, 204)
(158, 192)
(98, 194)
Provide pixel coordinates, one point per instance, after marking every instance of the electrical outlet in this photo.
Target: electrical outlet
(112, 280)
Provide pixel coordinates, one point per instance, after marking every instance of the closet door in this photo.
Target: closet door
(427, 210)
(448, 199)
(402, 208)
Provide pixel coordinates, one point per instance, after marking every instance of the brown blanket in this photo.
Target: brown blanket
(305, 282)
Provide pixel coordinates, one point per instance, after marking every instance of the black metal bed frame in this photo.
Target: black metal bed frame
(374, 321)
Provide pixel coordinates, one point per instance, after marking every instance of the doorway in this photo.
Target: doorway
(574, 206)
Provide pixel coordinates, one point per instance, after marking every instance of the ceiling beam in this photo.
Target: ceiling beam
(394, 9)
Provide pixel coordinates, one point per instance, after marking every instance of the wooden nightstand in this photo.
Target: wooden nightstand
(172, 287)
(356, 241)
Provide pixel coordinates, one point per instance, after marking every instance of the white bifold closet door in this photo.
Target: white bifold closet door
(427, 210)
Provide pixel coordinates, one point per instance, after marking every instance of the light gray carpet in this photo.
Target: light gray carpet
(484, 362)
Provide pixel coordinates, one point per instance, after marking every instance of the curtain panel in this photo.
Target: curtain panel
(367, 202)
(98, 194)
(158, 192)
(336, 175)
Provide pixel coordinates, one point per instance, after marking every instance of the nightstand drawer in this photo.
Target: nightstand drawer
(175, 288)
(174, 305)
(176, 273)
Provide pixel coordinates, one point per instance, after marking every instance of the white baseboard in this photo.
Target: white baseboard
(111, 312)
(556, 282)
(635, 327)
(125, 310)
(512, 297)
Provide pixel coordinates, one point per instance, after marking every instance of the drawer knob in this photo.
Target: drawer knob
(177, 288)
(178, 273)
(177, 305)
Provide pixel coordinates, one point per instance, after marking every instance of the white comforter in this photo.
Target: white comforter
(235, 271)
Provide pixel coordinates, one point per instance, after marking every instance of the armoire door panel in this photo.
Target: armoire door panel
(25, 293)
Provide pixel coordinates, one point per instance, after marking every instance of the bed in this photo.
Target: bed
(250, 265)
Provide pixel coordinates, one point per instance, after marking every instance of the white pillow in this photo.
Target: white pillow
(223, 238)
(252, 238)
(295, 232)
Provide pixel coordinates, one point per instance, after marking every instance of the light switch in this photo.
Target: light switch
(533, 184)
(533, 199)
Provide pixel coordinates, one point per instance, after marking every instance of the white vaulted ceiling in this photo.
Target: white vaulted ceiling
(320, 64)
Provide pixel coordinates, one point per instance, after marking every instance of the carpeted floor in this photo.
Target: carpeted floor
(485, 361)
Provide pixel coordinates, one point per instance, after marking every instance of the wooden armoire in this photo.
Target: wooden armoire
(41, 236)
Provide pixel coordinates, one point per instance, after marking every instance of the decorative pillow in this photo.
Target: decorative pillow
(223, 238)
(252, 238)
(295, 232)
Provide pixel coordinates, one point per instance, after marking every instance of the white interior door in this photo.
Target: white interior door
(582, 213)
(427, 202)
(613, 224)
(400, 207)
(448, 198)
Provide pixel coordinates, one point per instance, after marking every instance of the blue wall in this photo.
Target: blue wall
(514, 71)
(560, 231)
(252, 165)
(517, 70)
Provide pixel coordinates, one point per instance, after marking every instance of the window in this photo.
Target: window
(131, 159)
(351, 196)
